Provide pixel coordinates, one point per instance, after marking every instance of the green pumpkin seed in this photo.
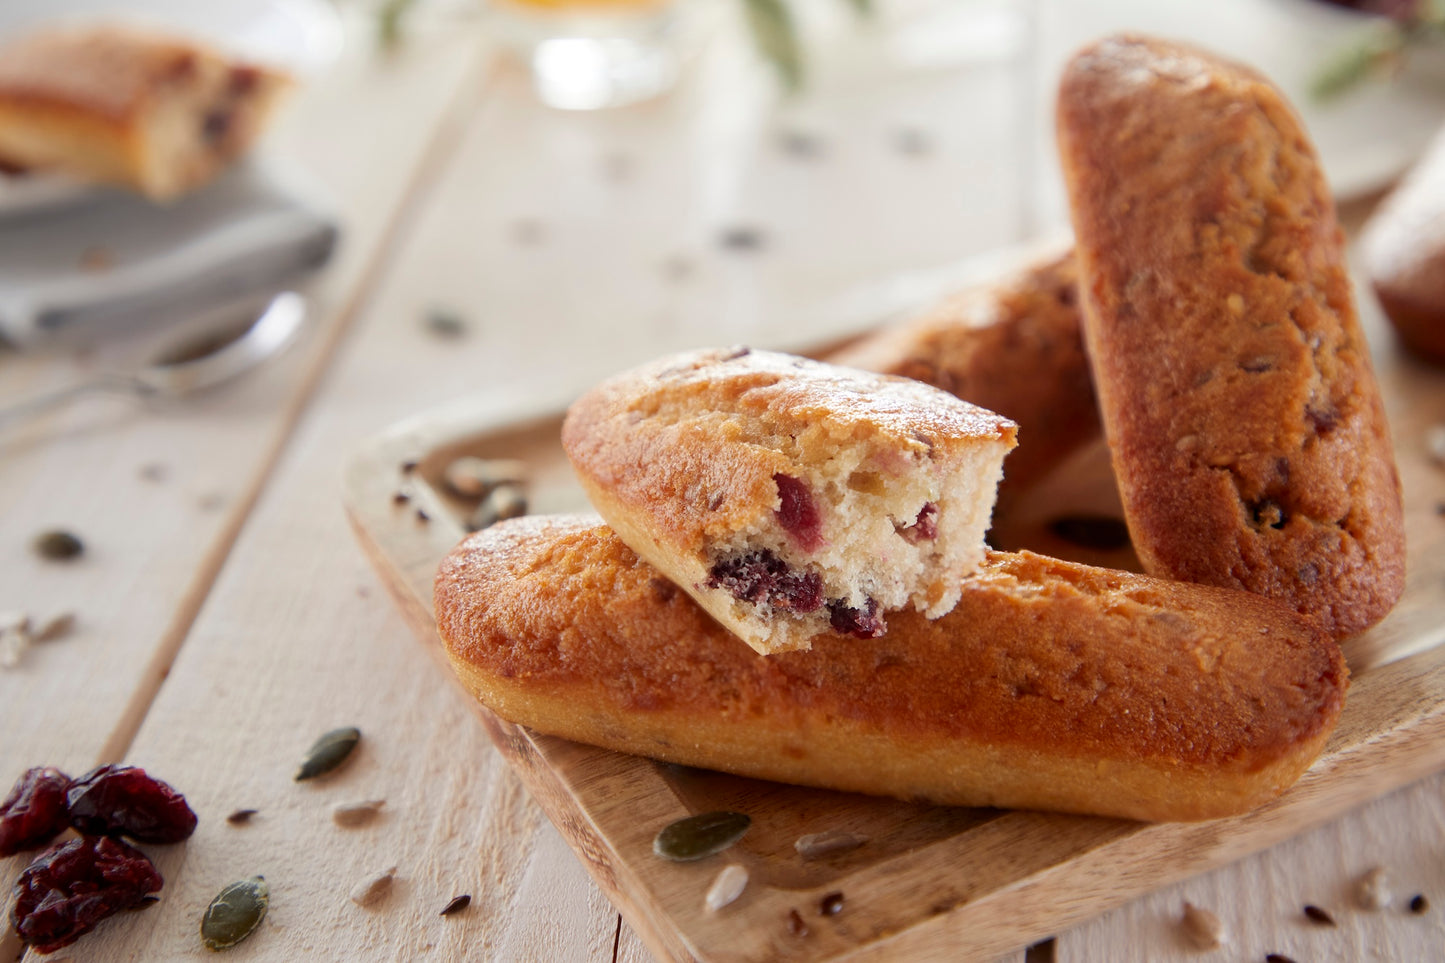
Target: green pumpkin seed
(328, 752)
(235, 913)
(699, 836)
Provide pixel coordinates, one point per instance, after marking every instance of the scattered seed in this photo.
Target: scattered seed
(54, 628)
(1100, 532)
(1277, 958)
(1372, 890)
(829, 843)
(831, 905)
(472, 477)
(328, 752)
(726, 887)
(1419, 904)
(457, 904)
(801, 144)
(796, 926)
(1318, 915)
(913, 142)
(529, 231)
(742, 239)
(235, 913)
(241, 816)
(422, 516)
(1435, 443)
(355, 814)
(57, 545)
(503, 502)
(1203, 928)
(409, 466)
(146, 902)
(374, 888)
(697, 837)
(445, 324)
(400, 497)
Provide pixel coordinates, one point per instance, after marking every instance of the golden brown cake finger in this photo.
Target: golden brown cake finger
(1245, 424)
(1050, 685)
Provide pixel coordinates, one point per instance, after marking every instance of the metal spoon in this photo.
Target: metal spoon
(191, 366)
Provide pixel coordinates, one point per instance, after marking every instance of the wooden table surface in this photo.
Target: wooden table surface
(226, 615)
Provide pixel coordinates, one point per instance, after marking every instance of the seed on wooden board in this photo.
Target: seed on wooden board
(14, 643)
(1419, 904)
(146, 902)
(742, 239)
(1203, 928)
(445, 324)
(374, 888)
(328, 753)
(240, 816)
(796, 926)
(828, 843)
(1277, 958)
(502, 502)
(235, 913)
(409, 465)
(457, 904)
(54, 628)
(1372, 890)
(700, 836)
(831, 904)
(473, 477)
(726, 887)
(400, 497)
(57, 545)
(357, 813)
(1319, 915)
(422, 516)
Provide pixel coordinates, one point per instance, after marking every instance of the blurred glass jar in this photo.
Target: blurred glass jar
(595, 54)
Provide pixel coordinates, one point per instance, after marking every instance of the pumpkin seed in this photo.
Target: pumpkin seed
(1373, 889)
(57, 545)
(457, 904)
(374, 888)
(815, 845)
(1204, 929)
(357, 813)
(328, 752)
(697, 837)
(235, 912)
(472, 477)
(727, 887)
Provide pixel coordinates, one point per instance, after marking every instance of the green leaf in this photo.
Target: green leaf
(1373, 54)
(776, 38)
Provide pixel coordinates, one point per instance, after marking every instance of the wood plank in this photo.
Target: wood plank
(966, 882)
(159, 493)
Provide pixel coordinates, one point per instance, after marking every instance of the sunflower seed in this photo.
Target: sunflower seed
(54, 628)
(700, 836)
(1203, 928)
(355, 814)
(374, 888)
(828, 843)
(726, 887)
(235, 912)
(1372, 890)
(328, 752)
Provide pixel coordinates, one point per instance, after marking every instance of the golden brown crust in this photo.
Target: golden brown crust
(1404, 253)
(1050, 685)
(1247, 430)
(1013, 346)
(122, 105)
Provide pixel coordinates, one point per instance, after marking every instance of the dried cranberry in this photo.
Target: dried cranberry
(70, 888)
(34, 812)
(797, 513)
(864, 623)
(763, 577)
(925, 526)
(124, 801)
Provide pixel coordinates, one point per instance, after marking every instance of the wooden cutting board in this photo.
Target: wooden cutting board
(931, 882)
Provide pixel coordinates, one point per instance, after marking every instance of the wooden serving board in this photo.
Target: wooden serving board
(932, 882)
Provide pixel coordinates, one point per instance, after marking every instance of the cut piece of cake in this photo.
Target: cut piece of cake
(120, 105)
(789, 496)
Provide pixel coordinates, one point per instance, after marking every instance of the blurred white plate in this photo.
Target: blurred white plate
(299, 36)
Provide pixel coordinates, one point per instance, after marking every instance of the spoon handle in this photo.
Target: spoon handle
(113, 383)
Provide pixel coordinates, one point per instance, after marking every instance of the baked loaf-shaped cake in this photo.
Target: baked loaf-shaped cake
(1245, 424)
(789, 496)
(125, 106)
(1014, 347)
(1404, 252)
(1050, 685)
